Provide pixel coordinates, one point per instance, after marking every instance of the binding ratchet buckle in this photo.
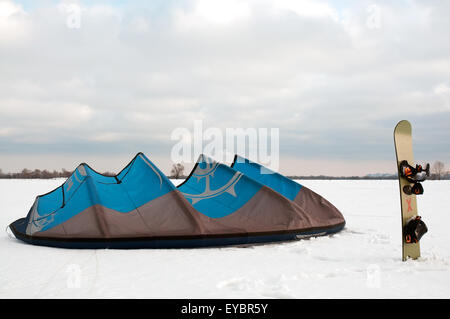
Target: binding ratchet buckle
(414, 174)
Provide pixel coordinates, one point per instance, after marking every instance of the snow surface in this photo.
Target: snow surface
(362, 261)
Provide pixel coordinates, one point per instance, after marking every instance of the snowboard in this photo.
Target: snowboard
(404, 151)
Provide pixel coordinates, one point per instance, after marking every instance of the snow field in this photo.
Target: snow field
(362, 261)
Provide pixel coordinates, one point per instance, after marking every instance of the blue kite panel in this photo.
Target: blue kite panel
(82, 200)
(145, 182)
(217, 190)
(279, 183)
(50, 202)
(141, 182)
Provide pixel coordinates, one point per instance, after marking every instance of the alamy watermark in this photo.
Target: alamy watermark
(373, 20)
(73, 276)
(257, 144)
(373, 276)
(73, 11)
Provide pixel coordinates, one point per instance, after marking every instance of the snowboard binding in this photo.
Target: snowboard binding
(414, 174)
(414, 230)
(415, 189)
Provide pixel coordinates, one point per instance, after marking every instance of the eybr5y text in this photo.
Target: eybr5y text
(245, 308)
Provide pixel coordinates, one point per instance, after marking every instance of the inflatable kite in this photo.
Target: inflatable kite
(216, 205)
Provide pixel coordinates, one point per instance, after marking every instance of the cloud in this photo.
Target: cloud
(334, 79)
(212, 12)
(14, 26)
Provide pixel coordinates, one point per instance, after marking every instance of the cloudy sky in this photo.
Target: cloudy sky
(98, 81)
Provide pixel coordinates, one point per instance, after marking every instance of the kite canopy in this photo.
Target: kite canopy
(141, 208)
(309, 201)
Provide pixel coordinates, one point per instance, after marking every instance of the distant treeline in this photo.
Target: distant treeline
(311, 177)
(46, 174)
(41, 174)
(367, 177)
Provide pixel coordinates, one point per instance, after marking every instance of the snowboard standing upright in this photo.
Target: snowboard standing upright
(404, 152)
